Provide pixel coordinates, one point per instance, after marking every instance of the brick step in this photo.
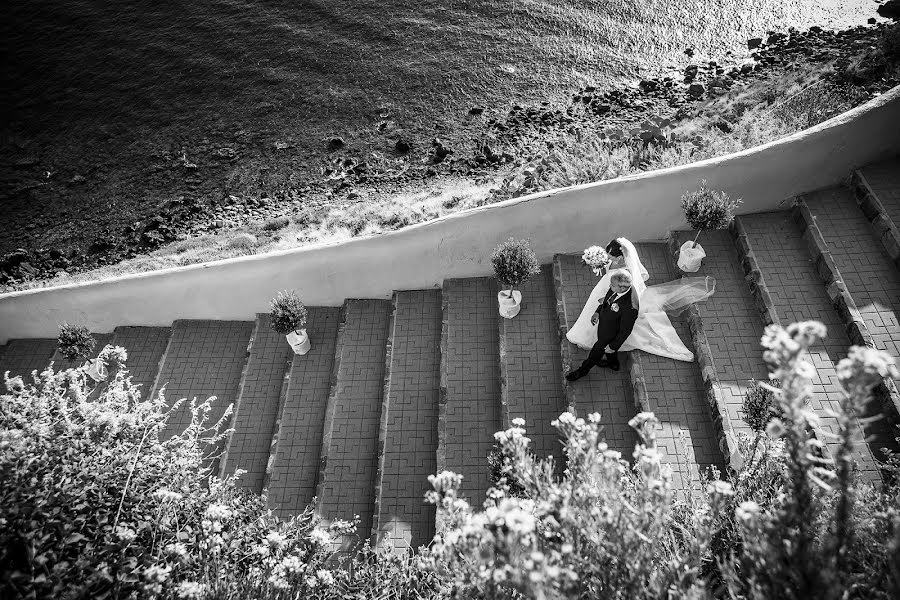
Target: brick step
(21, 357)
(60, 363)
(296, 445)
(777, 261)
(145, 346)
(603, 391)
(726, 330)
(346, 485)
(877, 191)
(674, 391)
(257, 405)
(861, 280)
(532, 383)
(203, 359)
(469, 412)
(408, 431)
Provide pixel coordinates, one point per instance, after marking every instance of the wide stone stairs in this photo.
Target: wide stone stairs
(395, 390)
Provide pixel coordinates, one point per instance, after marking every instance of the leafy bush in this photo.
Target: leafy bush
(514, 263)
(75, 341)
(243, 241)
(288, 313)
(707, 209)
(94, 504)
(759, 405)
(277, 223)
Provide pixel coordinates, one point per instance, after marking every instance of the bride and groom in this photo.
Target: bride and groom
(622, 313)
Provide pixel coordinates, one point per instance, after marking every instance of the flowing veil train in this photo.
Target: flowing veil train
(653, 331)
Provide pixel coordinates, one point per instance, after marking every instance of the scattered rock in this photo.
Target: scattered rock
(890, 10)
(872, 20)
(648, 85)
(476, 110)
(696, 90)
(334, 144)
(439, 151)
(225, 153)
(689, 52)
(26, 163)
(690, 71)
(403, 146)
(723, 126)
(283, 145)
(754, 43)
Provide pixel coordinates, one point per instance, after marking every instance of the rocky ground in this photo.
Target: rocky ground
(50, 236)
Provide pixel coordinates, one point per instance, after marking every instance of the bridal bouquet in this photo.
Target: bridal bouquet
(596, 258)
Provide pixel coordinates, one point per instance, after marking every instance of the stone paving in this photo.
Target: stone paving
(203, 359)
(471, 378)
(799, 295)
(347, 481)
(256, 409)
(602, 390)
(21, 357)
(732, 324)
(145, 346)
(532, 383)
(294, 468)
(676, 394)
(884, 181)
(409, 422)
(870, 275)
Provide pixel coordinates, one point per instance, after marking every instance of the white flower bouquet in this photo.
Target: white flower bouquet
(596, 258)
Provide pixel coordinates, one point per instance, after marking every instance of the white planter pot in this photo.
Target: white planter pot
(690, 256)
(95, 369)
(299, 341)
(509, 307)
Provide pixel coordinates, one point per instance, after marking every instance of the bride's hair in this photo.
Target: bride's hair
(614, 248)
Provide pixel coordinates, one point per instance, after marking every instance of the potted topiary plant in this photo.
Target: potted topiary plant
(514, 263)
(704, 210)
(289, 319)
(75, 342)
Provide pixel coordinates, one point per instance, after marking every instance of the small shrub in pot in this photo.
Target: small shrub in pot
(288, 313)
(706, 209)
(75, 341)
(514, 263)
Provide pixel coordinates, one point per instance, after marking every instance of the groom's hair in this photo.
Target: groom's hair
(621, 276)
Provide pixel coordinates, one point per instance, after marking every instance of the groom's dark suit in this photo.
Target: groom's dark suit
(616, 320)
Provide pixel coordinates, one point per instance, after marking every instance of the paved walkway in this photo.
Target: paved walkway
(884, 180)
(471, 376)
(204, 358)
(410, 423)
(799, 295)
(256, 409)
(298, 431)
(21, 357)
(145, 346)
(531, 366)
(347, 484)
(732, 324)
(677, 396)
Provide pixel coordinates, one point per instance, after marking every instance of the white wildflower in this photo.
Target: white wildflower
(190, 590)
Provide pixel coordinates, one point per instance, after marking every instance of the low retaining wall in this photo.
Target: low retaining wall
(642, 207)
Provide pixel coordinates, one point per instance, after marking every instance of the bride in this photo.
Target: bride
(653, 332)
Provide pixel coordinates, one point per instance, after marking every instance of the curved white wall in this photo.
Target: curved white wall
(642, 207)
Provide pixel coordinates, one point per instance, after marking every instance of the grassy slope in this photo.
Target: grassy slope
(118, 93)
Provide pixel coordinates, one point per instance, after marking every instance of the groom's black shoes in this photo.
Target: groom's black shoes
(575, 375)
(610, 361)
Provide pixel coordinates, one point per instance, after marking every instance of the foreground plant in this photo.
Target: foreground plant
(94, 503)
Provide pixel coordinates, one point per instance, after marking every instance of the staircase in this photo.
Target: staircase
(394, 390)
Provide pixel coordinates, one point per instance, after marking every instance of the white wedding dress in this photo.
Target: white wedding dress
(653, 332)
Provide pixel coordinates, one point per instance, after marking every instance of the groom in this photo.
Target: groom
(614, 319)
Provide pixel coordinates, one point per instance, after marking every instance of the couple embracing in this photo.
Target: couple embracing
(622, 313)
